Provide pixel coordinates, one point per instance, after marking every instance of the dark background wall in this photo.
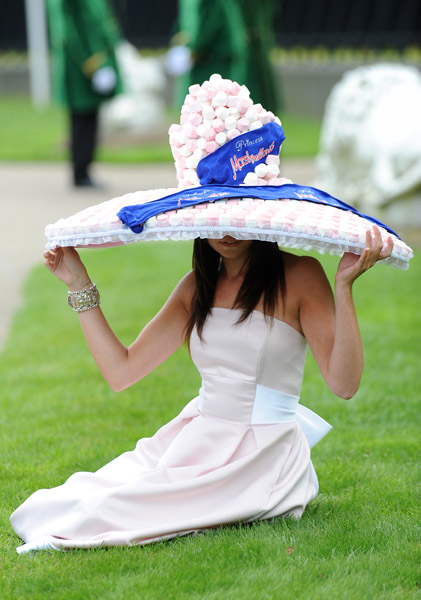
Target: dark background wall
(309, 23)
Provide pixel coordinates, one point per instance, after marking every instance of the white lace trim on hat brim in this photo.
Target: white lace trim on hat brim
(288, 239)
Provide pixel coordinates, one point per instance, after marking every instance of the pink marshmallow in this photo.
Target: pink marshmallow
(243, 124)
(244, 104)
(211, 147)
(235, 88)
(191, 145)
(261, 181)
(194, 89)
(163, 219)
(272, 159)
(195, 107)
(218, 125)
(224, 85)
(232, 133)
(195, 119)
(174, 128)
(238, 220)
(209, 133)
(174, 141)
(185, 118)
(232, 101)
(191, 131)
(209, 89)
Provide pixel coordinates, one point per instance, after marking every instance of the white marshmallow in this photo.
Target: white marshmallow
(202, 96)
(220, 138)
(222, 112)
(244, 92)
(208, 113)
(261, 170)
(183, 136)
(250, 179)
(220, 99)
(255, 125)
(230, 122)
(251, 115)
(185, 151)
(190, 162)
(215, 79)
(198, 154)
(201, 129)
(190, 175)
(273, 170)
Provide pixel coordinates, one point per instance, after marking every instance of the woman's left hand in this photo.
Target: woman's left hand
(352, 265)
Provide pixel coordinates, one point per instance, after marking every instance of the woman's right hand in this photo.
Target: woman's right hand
(66, 265)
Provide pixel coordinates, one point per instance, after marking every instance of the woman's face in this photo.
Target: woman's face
(229, 247)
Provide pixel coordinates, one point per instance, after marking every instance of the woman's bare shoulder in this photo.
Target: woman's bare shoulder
(184, 290)
(302, 267)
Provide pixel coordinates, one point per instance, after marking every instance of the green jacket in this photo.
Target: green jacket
(83, 36)
(232, 38)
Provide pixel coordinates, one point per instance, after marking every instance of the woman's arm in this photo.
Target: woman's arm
(121, 366)
(332, 332)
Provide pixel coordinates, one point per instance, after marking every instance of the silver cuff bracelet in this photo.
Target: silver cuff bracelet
(82, 300)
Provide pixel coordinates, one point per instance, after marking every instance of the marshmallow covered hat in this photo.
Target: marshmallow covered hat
(226, 153)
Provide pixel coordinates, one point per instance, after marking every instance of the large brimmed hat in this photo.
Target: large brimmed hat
(226, 152)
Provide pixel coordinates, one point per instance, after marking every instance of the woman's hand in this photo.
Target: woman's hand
(352, 265)
(66, 265)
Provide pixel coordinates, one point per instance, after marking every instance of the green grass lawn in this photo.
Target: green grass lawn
(28, 134)
(358, 540)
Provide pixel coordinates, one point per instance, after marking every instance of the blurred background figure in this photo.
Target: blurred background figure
(259, 19)
(139, 113)
(370, 143)
(85, 73)
(229, 37)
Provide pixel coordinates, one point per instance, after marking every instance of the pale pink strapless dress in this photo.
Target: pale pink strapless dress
(237, 452)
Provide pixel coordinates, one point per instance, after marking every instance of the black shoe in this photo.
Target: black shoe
(87, 182)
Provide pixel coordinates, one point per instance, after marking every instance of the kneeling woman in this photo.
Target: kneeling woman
(240, 450)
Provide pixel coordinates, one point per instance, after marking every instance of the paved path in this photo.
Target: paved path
(35, 194)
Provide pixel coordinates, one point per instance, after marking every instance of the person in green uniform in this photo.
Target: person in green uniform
(83, 38)
(258, 21)
(232, 38)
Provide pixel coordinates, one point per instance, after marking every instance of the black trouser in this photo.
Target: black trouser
(83, 139)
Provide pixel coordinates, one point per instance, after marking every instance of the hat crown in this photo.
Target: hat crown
(213, 114)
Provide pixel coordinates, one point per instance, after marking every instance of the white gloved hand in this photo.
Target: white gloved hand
(104, 80)
(178, 60)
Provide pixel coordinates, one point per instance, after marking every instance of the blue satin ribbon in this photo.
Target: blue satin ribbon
(136, 215)
(221, 173)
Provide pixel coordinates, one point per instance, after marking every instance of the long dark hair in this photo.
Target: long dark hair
(265, 276)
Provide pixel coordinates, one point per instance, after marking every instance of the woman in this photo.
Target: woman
(237, 452)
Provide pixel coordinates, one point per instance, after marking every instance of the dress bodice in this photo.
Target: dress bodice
(251, 372)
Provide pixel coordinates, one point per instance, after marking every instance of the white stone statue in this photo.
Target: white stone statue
(370, 146)
(141, 106)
